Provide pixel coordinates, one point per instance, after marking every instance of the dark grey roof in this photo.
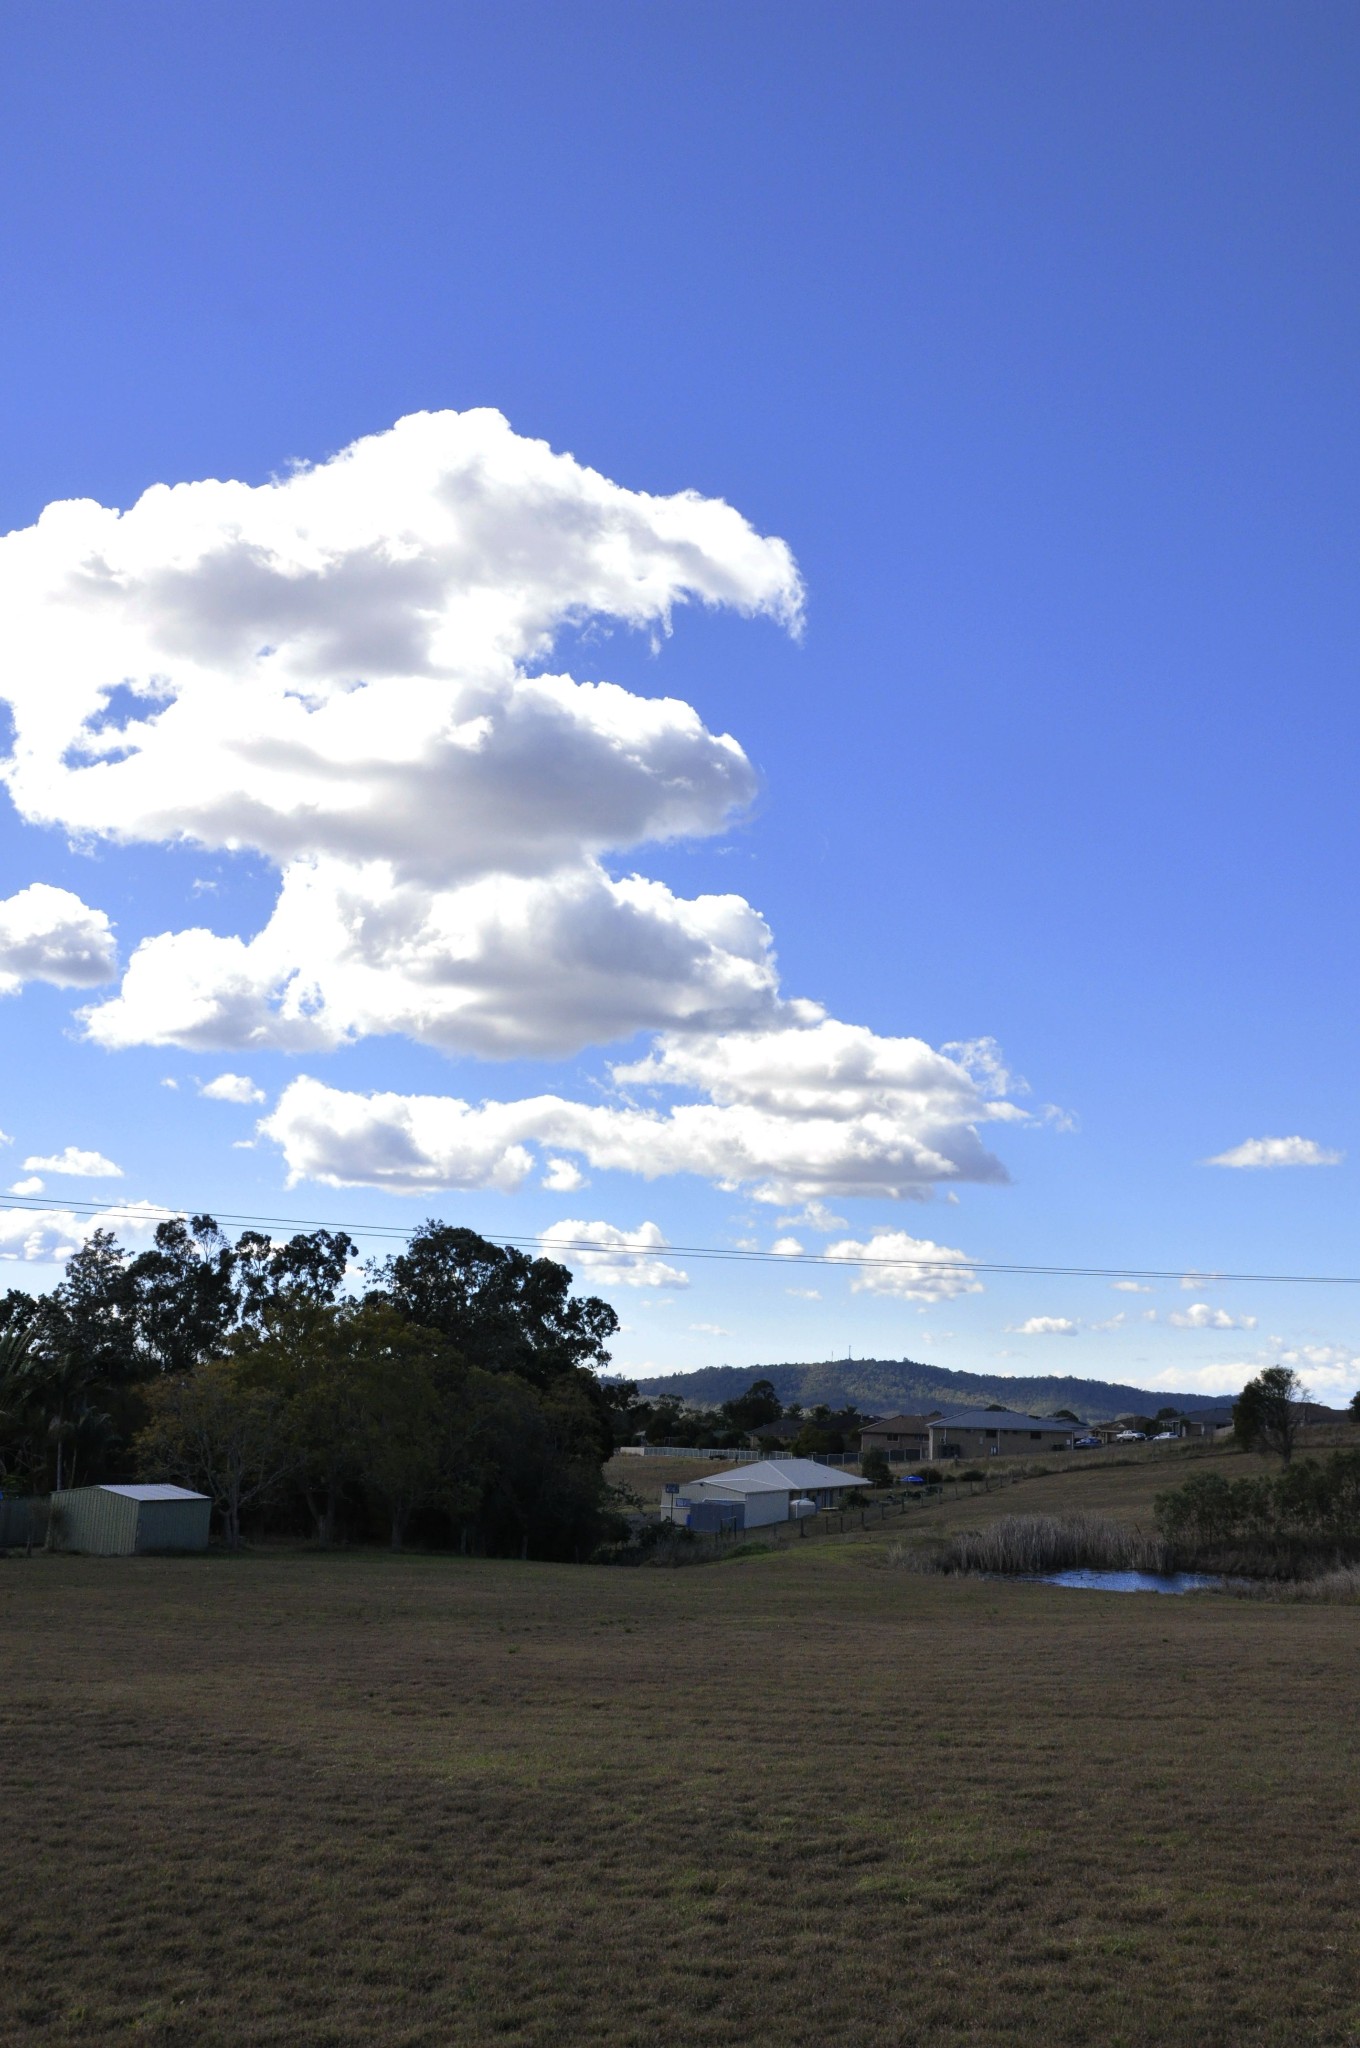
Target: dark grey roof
(1001, 1418)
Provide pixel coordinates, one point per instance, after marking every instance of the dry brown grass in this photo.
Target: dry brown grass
(792, 1800)
(647, 1477)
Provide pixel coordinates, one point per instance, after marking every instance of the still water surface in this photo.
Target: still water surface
(1130, 1582)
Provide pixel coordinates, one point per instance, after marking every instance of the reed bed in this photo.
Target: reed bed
(1340, 1585)
(1017, 1545)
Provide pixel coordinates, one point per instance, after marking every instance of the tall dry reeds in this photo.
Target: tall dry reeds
(1342, 1584)
(1025, 1544)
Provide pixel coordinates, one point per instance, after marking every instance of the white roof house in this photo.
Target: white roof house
(767, 1490)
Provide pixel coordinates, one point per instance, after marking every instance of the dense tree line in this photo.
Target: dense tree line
(457, 1392)
(1311, 1507)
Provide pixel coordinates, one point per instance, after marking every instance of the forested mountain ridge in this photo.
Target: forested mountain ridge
(884, 1385)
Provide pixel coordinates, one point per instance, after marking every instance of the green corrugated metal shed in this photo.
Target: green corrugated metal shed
(119, 1521)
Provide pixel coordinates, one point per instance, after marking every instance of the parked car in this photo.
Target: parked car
(1086, 1443)
(1163, 1436)
(1131, 1436)
(913, 1479)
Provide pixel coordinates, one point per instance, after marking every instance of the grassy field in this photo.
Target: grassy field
(791, 1799)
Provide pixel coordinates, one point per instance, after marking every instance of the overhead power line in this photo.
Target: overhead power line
(390, 1232)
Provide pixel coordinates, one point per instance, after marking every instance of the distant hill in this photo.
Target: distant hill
(882, 1386)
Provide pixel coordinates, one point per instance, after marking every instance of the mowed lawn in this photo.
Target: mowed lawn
(800, 1798)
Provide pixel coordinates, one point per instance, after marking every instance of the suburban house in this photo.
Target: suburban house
(1205, 1421)
(898, 1436)
(998, 1432)
(763, 1493)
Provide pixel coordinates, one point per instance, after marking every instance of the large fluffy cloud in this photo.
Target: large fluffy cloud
(504, 964)
(334, 662)
(349, 671)
(802, 1112)
(48, 934)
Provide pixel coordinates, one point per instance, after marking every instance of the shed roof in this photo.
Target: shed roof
(779, 1475)
(1001, 1418)
(154, 1492)
(916, 1423)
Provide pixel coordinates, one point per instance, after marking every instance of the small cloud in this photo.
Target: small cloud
(709, 1330)
(5, 1138)
(1130, 1287)
(562, 1178)
(1044, 1326)
(231, 1088)
(31, 1185)
(614, 1257)
(1258, 1152)
(1111, 1322)
(1065, 1121)
(814, 1216)
(1195, 1283)
(168, 1081)
(80, 1165)
(787, 1248)
(1200, 1316)
(911, 1268)
(804, 1293)
(984, 1063)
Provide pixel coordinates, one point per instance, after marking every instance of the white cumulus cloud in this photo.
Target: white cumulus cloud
(80, 1164)
(824, 1133)
(31, 1185)
(562, 1178)
(911, 1268)
(48, 934)
(231, 1088)
(51, 1236)
(1046, 1326)
(611, 1257)
(1256, 1152)
(348, 671)
(1201, 1316)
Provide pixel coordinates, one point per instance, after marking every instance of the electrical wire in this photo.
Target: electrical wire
(386, 1232)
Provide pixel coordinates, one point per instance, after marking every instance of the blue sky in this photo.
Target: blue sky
(1029, 331)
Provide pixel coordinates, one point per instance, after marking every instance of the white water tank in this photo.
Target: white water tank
(801, 1507)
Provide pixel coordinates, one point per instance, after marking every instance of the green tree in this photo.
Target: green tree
(1268, 1412)
(222, 1432)
(499, 1309)
(759, 1404)
(875, 1467)
(402, 1412)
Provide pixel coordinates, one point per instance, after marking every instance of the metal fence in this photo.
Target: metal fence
(23, 1522)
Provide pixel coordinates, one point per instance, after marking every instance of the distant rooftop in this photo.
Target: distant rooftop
(780, 1475)
(999, 1418)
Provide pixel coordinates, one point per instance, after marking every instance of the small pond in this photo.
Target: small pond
(1130, 1582)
